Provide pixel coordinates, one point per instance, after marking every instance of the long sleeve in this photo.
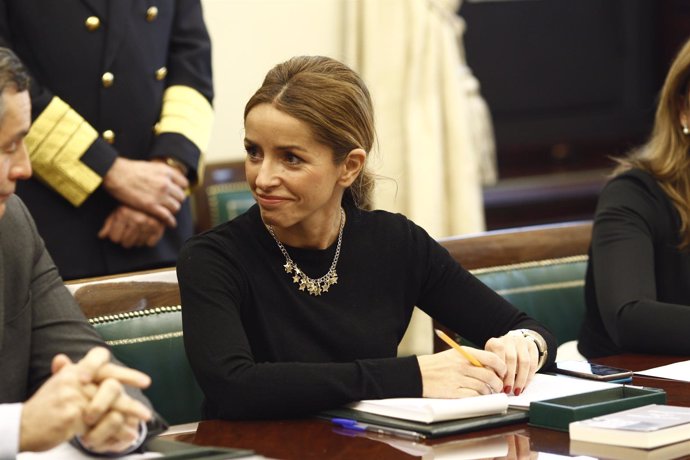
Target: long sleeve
(186, 119)
(40, 318)
(131, 85)
(638, 279)
(451, 289)
(111, 80)
(59, 136)
(230, 365)
(261, 348)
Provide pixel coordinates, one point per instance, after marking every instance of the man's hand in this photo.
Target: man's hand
(149, 186)
(87, 399)
(132, 228)
(54, 413)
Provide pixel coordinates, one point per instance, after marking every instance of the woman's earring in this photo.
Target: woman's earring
(686, 131)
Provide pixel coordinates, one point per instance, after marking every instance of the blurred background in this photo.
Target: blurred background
(490, 114)
(567, 83)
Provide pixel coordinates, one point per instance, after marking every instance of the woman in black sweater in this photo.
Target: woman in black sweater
(299, 304)
(638, 279)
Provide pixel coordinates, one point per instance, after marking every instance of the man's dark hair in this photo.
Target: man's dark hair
(12, 73)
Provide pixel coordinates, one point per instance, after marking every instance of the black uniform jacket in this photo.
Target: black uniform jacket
(110, 77)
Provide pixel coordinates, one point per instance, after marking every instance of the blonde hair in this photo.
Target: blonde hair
(333, 101)
(665, 154)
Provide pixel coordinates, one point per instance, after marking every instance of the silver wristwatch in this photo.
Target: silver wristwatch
(539, 341)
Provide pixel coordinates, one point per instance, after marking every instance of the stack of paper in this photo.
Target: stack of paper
(545, 386)
(430, 410)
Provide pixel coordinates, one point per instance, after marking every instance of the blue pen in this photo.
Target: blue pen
(378, 429)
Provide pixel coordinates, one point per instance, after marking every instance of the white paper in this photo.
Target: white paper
(675, 371)
(545, 386)
(429, 410)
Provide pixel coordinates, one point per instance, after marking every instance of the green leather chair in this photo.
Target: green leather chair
(551, 291)
(151, 341)
(222, 195)
(539, 269)
(227, 201)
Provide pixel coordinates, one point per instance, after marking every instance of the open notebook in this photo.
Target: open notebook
(430, 410)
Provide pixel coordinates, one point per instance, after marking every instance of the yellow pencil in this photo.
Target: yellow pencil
(443, 336)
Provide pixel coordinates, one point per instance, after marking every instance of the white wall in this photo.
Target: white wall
(248, 38)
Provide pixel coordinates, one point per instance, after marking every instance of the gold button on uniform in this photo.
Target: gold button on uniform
(109, 136)
(108, 78)
(92, 23)
(151, 13)
(161, 73)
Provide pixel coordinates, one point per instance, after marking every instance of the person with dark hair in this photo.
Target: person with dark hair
(58, 380)
(121, 100)
(299, 304)
(637, 291)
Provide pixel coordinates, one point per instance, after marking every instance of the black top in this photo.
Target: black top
(260, 348)
(637, 286)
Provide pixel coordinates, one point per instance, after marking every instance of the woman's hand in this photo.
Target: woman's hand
(521, 359)
(449, 375)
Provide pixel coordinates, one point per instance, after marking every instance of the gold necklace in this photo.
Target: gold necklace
(312, 286)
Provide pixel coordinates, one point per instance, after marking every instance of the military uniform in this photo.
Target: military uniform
(128, 78)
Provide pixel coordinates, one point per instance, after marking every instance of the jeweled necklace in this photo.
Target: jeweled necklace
(312, 286)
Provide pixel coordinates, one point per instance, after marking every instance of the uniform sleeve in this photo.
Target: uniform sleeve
(236, 386)
(184, 129)
(623, 264)
(59, 138)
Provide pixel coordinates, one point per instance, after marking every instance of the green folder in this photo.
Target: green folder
(431, 430)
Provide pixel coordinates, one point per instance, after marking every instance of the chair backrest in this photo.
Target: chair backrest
(223, 195)
(540, 270)
(139, 316)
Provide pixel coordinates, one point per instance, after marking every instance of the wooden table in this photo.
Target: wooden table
(319, 439)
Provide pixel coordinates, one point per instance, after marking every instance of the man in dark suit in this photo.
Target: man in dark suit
(57, 379)
(121, 97)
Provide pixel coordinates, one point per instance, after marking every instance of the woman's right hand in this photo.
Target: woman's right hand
(449, 375)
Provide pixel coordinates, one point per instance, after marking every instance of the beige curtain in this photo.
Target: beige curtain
(434, 132)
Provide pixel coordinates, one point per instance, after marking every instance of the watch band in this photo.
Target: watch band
(539, 342)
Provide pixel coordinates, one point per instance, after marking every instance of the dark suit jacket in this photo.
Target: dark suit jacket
(67, 56)
(38, 315)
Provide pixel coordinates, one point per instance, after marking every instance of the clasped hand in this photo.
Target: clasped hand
(508, 363)
(150, 193)
(152, 187)
(85, 399)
